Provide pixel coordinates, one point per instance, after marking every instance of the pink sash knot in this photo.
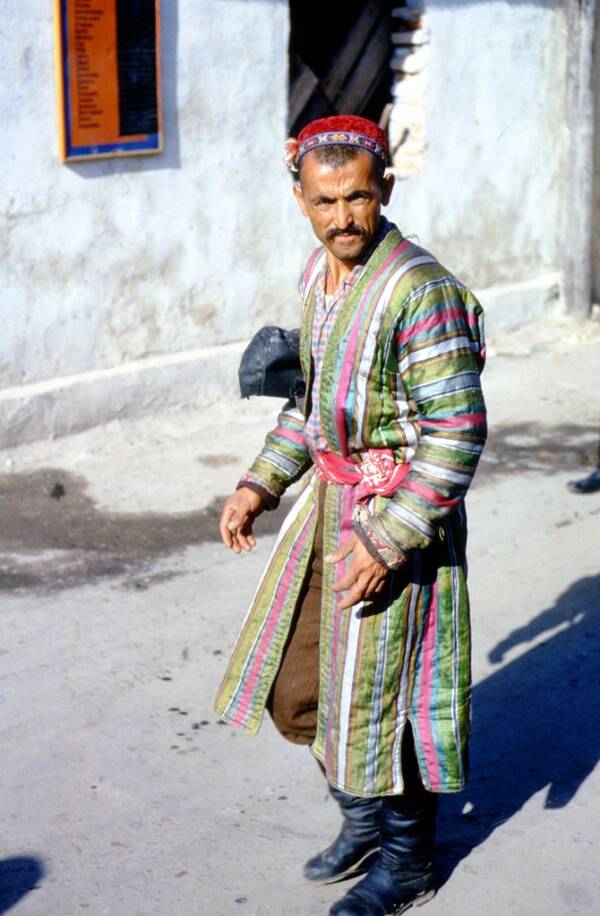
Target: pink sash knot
(377, 474)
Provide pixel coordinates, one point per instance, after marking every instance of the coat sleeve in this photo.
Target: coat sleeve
(284, 458)
(440, 351)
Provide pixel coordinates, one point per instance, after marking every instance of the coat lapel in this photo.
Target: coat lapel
(343, 347)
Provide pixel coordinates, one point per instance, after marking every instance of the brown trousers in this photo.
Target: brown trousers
(294, 697)
(295, 693)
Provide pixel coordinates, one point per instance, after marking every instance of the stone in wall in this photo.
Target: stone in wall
(406, 125)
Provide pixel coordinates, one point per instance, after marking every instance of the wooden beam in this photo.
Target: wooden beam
(368, 71)
(303, 87)
(353, 49)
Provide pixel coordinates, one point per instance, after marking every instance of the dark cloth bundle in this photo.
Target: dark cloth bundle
(270, 365)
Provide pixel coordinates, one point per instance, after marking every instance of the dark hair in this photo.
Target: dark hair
(337, 156)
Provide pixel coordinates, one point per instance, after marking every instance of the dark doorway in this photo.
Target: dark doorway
(339, 59)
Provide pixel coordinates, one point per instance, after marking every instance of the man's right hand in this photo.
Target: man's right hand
(237, 517)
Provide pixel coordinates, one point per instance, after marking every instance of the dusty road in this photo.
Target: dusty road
(122, 794)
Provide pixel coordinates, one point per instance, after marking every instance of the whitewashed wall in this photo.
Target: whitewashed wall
(116, 260)
(117, 275)
(490, 198)
(128, 284)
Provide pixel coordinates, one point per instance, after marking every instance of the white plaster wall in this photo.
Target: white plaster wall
(488, 202)
(596, 166)
(112, 261)
(112, 266)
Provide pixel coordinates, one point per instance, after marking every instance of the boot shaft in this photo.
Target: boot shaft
(408, 832)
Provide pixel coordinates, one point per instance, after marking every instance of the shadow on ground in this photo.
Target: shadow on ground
(536, 447)
(53, 536)
(18, 876)
(536, 723)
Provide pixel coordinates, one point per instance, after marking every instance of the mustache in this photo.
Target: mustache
(351, 230)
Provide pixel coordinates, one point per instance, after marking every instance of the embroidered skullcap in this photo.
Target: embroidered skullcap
(338, 130)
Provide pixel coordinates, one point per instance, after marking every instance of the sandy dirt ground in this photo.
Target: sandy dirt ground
(122, 794)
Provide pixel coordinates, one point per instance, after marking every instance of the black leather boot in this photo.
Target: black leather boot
(402, 874)
(358, 837)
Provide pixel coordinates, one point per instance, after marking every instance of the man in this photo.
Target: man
(357, 641)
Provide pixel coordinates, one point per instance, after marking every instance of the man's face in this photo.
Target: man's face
(343, 204)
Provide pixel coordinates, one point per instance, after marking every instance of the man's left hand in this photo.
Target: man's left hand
(365, 577)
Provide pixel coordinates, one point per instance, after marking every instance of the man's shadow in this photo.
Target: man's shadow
(18, 876)
(536, 724)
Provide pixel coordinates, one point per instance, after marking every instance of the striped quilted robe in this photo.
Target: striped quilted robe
(401, 371)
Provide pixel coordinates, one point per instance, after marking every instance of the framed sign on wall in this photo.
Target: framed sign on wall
(108, 78)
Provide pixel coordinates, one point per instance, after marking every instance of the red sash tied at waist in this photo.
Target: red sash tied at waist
(377, 474)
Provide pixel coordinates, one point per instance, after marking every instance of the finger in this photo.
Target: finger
(353, 597)
(235, 528)
(227, 539)
(236, 545)
(356, 592)
(226, 534)
(342, 552)
(352, 575)
(377, 580)
(245, 540)
(374, 587)
(363, 588)
(346, 581)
